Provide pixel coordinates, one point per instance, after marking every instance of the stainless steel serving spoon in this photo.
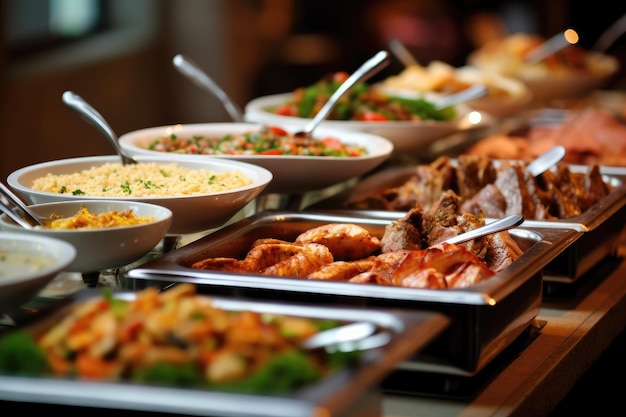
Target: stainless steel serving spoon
(500, 225)
(545, 161)
(365, 71)
(84, 109)
(190, 69)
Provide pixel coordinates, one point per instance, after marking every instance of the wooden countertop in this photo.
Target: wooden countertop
(576, 332)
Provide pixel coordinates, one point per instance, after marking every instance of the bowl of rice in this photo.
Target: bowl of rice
(106, 233)
(202, 194)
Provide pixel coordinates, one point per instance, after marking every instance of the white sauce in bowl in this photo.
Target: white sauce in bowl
(20, 264)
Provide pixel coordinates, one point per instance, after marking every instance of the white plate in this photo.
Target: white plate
(292, 174)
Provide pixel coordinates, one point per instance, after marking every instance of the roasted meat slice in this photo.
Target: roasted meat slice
(432, 267)
(473, 173)
(344, 240)
(404, 233)
(489, 201)
(502, 250)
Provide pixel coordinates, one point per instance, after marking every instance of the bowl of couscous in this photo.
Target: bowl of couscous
(202, 194)
(106, 233)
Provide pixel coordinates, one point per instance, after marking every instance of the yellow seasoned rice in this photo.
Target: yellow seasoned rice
(146, 179)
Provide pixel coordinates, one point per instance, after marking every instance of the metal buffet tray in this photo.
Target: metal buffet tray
(602, 225)
(347, 392)
(485, 317)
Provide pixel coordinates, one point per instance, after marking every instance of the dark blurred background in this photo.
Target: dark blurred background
(117, 55)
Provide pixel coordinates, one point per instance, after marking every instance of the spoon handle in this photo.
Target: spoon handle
(366, 70)
(194, 73)
(499, 225)
(84, 109)
(402, 53)
(475, 91)
(27, 215)
(546, 160)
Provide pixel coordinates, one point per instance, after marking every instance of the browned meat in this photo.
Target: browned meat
(405, 233)
(512, 185)
(474, 172)
(502, 250)
(440, 266)
(489, 202)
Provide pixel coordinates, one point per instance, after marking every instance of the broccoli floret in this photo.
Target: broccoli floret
(20, 355)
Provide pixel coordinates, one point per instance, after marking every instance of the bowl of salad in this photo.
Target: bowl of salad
(410, 123)
(330, 157)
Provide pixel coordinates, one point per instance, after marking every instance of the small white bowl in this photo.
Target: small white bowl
(406, 136)
(101, 248)
(20, 281)
(292, 174)
(191, 213)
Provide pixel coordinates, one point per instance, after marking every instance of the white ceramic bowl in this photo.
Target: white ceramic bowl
(406, 136)
(191, 213)
(21, 282)
(103, 248)
(293, 174)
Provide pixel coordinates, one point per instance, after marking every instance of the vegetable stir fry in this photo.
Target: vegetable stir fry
(363, 102)
(274, 141)
(175, 338)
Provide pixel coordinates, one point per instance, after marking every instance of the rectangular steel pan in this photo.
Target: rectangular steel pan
(486, 317)
(348, 392)
(602, 225)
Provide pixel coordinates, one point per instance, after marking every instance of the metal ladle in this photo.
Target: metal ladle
(84, 109)
(500, 225)
(545, 161)
(190, 69)
(365, 71)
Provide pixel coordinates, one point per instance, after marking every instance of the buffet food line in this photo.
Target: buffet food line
(218, 318)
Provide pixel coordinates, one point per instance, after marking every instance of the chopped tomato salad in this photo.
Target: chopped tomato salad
(272, 141)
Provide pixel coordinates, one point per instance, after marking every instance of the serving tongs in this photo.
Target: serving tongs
(19, 212)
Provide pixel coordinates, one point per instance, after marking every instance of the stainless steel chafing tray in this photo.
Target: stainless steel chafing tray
(602, 225)
(351, 391)
(486, 317)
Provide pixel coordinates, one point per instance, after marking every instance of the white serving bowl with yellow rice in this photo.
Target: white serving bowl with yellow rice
(106, 233)
(28, 263)
(202, 194)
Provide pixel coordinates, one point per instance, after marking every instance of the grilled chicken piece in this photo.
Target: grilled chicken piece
(345, 241)
(301, 264)
(221, 264)
(342, 270)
